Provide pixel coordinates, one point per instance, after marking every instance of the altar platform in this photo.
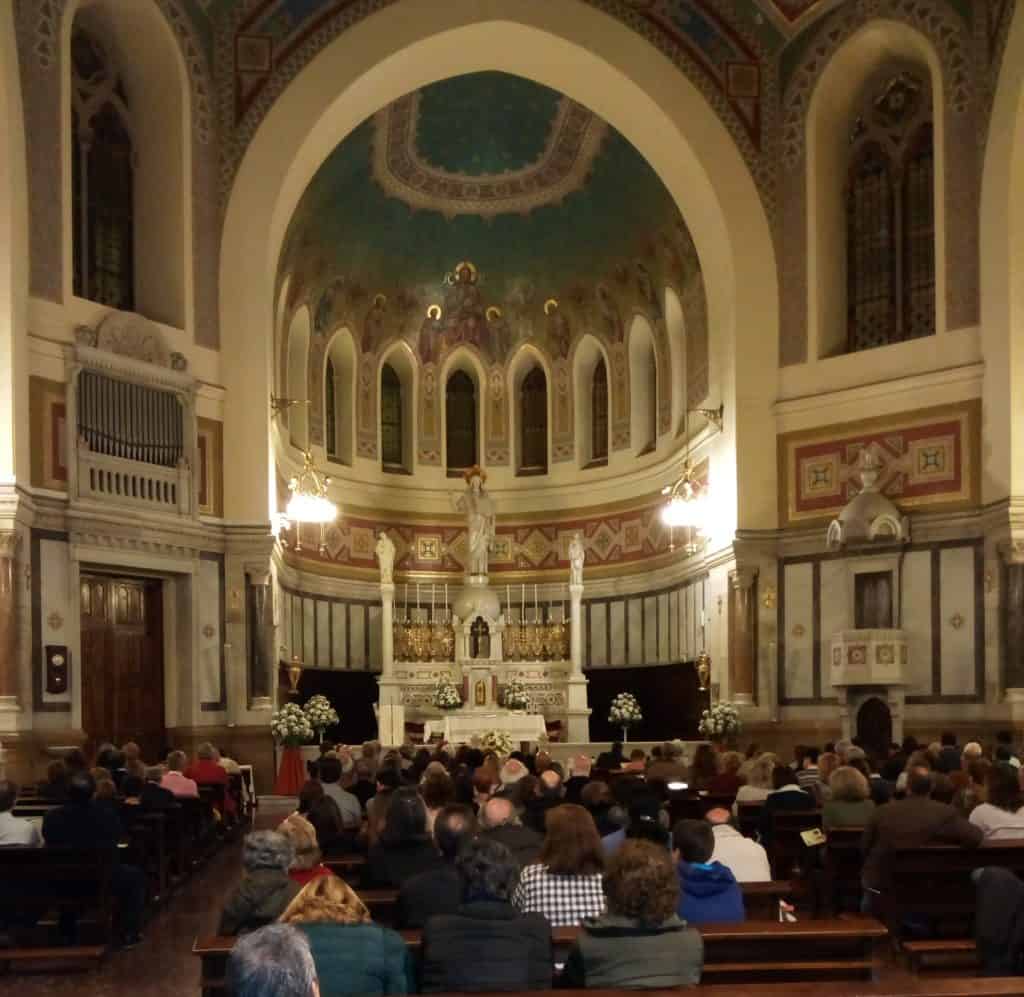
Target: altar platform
(461, 726)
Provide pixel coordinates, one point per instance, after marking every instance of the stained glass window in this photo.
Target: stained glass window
(919, 237)
(599, 413)
(460, 421)
(533, 423)
(392, 452)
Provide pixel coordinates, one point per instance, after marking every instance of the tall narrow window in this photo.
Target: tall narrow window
(103, 181)
(599, 414)
(331, 411)
(533, 423)
(460, 422)
(890, 216)
(392, 451)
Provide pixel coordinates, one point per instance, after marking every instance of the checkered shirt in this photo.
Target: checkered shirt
(563, 900)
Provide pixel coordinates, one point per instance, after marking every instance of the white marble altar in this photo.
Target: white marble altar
(461, 726)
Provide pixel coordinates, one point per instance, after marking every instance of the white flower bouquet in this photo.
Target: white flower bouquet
(721, 721)
(446, 694)
(291, 726)
(320, 714)
(516, 696)
(498, 741)
(625, 711)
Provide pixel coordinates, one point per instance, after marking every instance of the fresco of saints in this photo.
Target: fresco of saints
(431, 336)
(464, 318)
(610, 315)
(559, 334)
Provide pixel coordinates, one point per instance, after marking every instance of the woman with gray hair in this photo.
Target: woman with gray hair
(266, 890)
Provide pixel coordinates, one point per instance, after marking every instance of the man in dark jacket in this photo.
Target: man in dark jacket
(438, 891)
(83, 824)
(786, 796)
(487, 944)
(949, 756)
(910, 823)
(501, 823)
(153, 795)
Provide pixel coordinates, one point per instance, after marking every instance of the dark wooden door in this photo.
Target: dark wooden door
(123, 662)
(874, 726)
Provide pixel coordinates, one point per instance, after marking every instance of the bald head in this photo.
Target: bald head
(498, 811)
(718, 815)
(551, 781)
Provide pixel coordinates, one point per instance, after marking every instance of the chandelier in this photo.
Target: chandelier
(309, 502)
(686, 508)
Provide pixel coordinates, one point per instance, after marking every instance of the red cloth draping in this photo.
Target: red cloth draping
(292, 774)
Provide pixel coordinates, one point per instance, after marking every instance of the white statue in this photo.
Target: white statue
(577, 555)
(386, 556)
(479, 509)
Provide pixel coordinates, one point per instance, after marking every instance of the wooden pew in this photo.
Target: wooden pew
(808, 950)
(837, 881)
(787, 846)
(347, 867)
(748, 817)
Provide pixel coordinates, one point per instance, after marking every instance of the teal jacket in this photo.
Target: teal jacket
(359, 959)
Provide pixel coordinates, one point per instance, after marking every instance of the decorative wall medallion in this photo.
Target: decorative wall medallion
(956, 621)
(209, 631)
(799, 630)
(857, 654)
(55, 621)
(885, 654)
(768, 600)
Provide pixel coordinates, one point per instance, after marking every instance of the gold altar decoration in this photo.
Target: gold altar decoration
(703, 667)
(424, 640)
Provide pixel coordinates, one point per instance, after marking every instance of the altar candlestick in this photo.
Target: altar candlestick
(431, 602)
(446, 600)
(522, 603)
(508, 600)
(417, 595)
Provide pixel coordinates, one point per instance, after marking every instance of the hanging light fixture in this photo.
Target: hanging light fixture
(686, 508)
(309, 502)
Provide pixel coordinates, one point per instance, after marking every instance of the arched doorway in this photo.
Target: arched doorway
(874, 726)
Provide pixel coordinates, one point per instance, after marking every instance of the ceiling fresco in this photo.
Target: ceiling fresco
(490, 210)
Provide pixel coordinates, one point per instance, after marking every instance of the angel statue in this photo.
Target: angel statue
(479, 509)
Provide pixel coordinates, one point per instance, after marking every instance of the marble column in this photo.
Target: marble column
(10, 704)
(742, 635)
(387, 637)
(261, 650)
(578, 713)
(576, 629)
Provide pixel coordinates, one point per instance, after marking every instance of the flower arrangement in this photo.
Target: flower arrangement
(498, 741)
(291, 726)
(320, 714)
(446, 694)
(721, 721)
(625, 711)
(516, 696)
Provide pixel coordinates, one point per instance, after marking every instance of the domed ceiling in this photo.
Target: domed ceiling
(486, 209)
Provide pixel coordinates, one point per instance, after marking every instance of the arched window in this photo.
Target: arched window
(599, 414)
(460, 422)
(331, 411)
(533, 423)
(103, 180)
(392, 449)
(890, 216)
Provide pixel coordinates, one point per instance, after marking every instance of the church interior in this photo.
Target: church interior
(471, 363)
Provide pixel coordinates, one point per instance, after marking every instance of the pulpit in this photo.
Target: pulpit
(868, 673)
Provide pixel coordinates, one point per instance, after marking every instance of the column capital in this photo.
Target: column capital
(10, 543)
(743, 577)
(259, 574)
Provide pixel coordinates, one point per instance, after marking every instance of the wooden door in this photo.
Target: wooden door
(123, 662)
(874, 726)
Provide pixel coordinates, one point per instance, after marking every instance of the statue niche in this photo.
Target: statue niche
(480, 639)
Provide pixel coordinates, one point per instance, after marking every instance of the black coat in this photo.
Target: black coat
(999, 922)
(155, 797)
(524, 844)
(437, 891)
(74, 825)
(390, 865)
(487, 945)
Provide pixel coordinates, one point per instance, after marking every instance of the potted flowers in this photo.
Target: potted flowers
(320, 715)
(291, 729)
(498, 741)
(446, 694)
(516, 696)
(625, 713)
(720, 723)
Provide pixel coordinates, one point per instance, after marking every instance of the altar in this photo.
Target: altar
(485, 644)
(461, 726)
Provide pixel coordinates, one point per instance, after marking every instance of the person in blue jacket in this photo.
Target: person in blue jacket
(708, 891)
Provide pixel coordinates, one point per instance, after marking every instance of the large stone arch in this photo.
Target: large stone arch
(640, 93)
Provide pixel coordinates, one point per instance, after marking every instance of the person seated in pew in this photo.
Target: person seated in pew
(708, 891)
(598, 801)
(648, 821)
(439, 890)
(110, 758)
(849, 803)
(322, 812)
(438, 792)
(579, 775)
(565, 883)
(911, 822)
(307, 864)
(728, 780)
(404, 849)
(786, 796)
(175, 779)
(641, 943)
(352, 955)
(972, 793)
(266, 889)
(15, 830)
(611, 760)
(131, 752)
(85, 823)
(206, 770)
(131, 791)
(487, 944)
(759, 781)
(55, 788)
(389, 779)
(1001, 816)
(548, 794)
(155, 797)
(273, 960)
(500, 822)
(670, 766)
(743, 857)
(363, 787)
(879, 789)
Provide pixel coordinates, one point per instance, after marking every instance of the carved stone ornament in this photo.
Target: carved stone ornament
(85, 335)
(869, 516)
(129, 334)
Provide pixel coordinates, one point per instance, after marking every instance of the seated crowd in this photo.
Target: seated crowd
(489, 855)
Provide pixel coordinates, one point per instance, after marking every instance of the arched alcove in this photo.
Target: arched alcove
(462, 380)
(397, 409)
(339, 388)
(643, 387)
(530, 407)
(148, 89)
(592, 445)
(860, 69)
(675, 326)
(298, 379)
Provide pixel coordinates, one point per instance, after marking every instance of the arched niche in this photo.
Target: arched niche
(675, 327)
(591, 451)
(462, 371)
(339, 394)
(298, 378)
(879, 48)
(530, 374)
(158, 113)
(400, 361)
(643, 387)
(280, 349)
